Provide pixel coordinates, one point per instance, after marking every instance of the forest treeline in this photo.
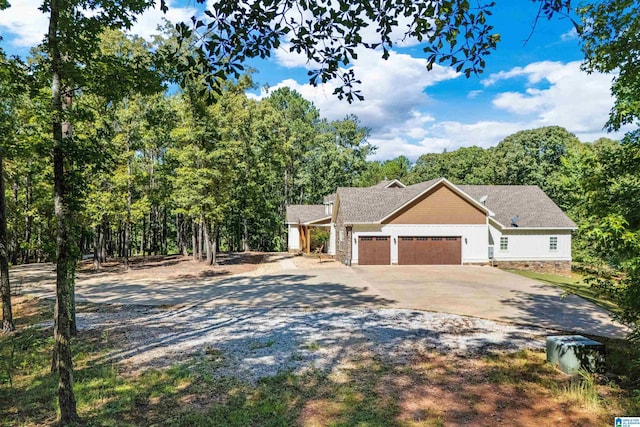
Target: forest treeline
(129, 146)
(597, 184)
(158, 170)
(164, 173)
(158, 173)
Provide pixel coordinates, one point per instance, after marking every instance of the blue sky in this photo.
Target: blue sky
(411, 111)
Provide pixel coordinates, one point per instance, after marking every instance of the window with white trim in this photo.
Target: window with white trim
(504, 243)
(341, 235)
(553, 243)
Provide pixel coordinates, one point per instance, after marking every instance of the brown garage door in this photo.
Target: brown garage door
(374, 250)
(414, 250)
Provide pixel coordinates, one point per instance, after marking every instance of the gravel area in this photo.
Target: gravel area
(250, 344)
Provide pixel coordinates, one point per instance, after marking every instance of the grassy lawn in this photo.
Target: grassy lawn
(573, 285)
(425, 389)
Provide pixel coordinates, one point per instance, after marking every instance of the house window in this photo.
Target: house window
(341, 236)
(504, 243)
(553, 243)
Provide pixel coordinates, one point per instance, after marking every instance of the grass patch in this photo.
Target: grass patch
(257, 345)
(572, 285)
(427, 389)
(311, 346)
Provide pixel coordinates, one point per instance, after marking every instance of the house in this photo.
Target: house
(437, 222)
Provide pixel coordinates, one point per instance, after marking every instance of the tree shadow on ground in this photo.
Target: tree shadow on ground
(332, 367)
(565, 313)
(282, 290)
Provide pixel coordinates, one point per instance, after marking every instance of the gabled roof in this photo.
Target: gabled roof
(532, 206)
(305, 214)
(371, 204)
(394, 183)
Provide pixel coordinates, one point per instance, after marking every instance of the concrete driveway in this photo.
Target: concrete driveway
(483, 292)
(488, 293)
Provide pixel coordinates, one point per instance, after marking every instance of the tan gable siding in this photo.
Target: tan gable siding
(440, 206)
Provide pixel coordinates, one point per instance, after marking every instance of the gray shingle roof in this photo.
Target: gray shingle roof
(533, 207)
(371, 204)
(386, 182)
(305, 213)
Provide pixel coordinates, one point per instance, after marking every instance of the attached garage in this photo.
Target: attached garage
(374, 250)
(432, 250)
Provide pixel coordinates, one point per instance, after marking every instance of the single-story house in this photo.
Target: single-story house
(437, 222)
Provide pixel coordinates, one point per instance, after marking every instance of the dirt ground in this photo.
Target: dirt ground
(429, 388)
(178, 266)
(161, 267)
(315, 261)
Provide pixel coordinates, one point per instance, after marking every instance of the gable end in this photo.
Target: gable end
(440, 205)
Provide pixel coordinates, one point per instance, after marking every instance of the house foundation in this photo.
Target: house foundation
(561, 268)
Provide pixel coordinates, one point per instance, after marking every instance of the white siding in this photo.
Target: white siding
(531, 245)
(474, 238)
(294, 238)
(331, 250)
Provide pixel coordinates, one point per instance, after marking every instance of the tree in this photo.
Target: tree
(74, 60)
(531, 157)
(454, 33)
(451, 32)
(609, 38)
(466, 165)
(10, 73)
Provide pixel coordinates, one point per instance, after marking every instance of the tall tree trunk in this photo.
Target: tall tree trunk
(102, 242)
(39, 256)
(15, 245)
(5, 286)
(165, 246)
(127, 222)
(214, 244)
(143, 239)
(65, 262)
(97, 260)
(200, 239)
(194, 239)
(245, 235)
(181, 228)
(28, 219)
(207, 240)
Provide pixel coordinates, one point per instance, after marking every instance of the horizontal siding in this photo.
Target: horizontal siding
(531, 245)
(440, 206)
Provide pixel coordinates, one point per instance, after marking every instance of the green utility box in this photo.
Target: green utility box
(570, 353)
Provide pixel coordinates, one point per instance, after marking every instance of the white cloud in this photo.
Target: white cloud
(534, 72)
(575, 100)
(444, 135)
(572, 34)
(147, 23)
(393, 89)
(28, 25)
(24, 21)
(405, 119)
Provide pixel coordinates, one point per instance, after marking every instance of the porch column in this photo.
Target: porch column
(308, 248)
